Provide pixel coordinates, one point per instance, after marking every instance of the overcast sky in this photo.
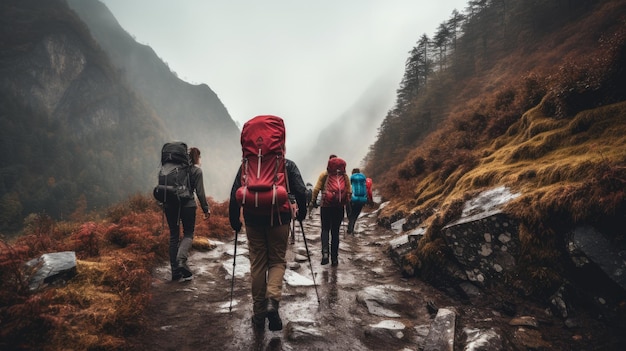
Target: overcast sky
(306, 61)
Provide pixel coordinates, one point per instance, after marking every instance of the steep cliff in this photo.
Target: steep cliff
(192, 113)
(74, 136)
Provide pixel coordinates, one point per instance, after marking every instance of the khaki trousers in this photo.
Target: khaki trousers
(267, 247)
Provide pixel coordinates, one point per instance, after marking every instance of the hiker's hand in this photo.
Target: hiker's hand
(236, 226)
(301, 215)
(206, 216)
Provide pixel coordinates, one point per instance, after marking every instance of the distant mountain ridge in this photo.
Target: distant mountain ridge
(191, 113)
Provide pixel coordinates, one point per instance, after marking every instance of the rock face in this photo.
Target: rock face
(82, 123)
(599, 251)
(487, 245)
(192, 113)
(69, 126)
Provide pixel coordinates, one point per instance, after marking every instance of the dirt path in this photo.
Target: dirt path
(195, 315)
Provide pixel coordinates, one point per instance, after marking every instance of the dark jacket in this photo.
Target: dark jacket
(197, 184)
(297, 190)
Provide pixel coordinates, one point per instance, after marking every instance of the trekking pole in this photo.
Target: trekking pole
(306, 246)
(293, 232)
(232, 280)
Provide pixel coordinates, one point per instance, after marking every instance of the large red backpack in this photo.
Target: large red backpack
(335, 186)
(264, 186)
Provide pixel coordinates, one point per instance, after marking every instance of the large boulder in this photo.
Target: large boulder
(51, 268)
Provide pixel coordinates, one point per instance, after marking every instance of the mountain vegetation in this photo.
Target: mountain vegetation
(115, 253)
(524, 94)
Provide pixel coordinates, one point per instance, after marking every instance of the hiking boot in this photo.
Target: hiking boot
(275, 323)
(258, 321)
(185, 272)
(324, 258)
(186, 278)
(335, 262)
(176, 275)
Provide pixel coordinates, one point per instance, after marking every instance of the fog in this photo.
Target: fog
(329, 68)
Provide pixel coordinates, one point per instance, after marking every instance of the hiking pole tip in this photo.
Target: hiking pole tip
(308, 255)
(232, 280)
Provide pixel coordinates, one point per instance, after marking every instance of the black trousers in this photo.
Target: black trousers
(188, 220)
(331, 218)
(353, 215)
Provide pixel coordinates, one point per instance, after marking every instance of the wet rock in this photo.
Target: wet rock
(485, 240)
(470, 289)
(558, 303)
(386, 329)
(599, 250)
(294, 266)
(389, 325)
(526, 321)
(482, 340)
(300, 330)
(51, 268)
(441, 334)
(397, 225)
(421, 332)
(242, 266)
(378, 299)
(295, 279)
(403, 244)
(377, 309)
(301, 258)
(241, 250)
(600, 272)
(301, 250)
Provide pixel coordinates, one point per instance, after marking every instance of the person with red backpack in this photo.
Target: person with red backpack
(334, 185)
(264, 187)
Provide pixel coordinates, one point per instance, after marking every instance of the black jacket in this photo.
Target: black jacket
(297, 191)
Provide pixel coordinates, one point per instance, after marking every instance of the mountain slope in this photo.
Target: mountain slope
(538, 105)
(74, 136)
(192, 113)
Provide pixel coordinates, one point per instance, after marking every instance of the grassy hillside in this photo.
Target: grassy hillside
(104, 303)
(540, 109)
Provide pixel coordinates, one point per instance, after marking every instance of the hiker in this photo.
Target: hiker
(334, 185)
(358, 199)
(184, 212)
(267, 223)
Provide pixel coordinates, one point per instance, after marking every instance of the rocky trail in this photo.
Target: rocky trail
(364, 304)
